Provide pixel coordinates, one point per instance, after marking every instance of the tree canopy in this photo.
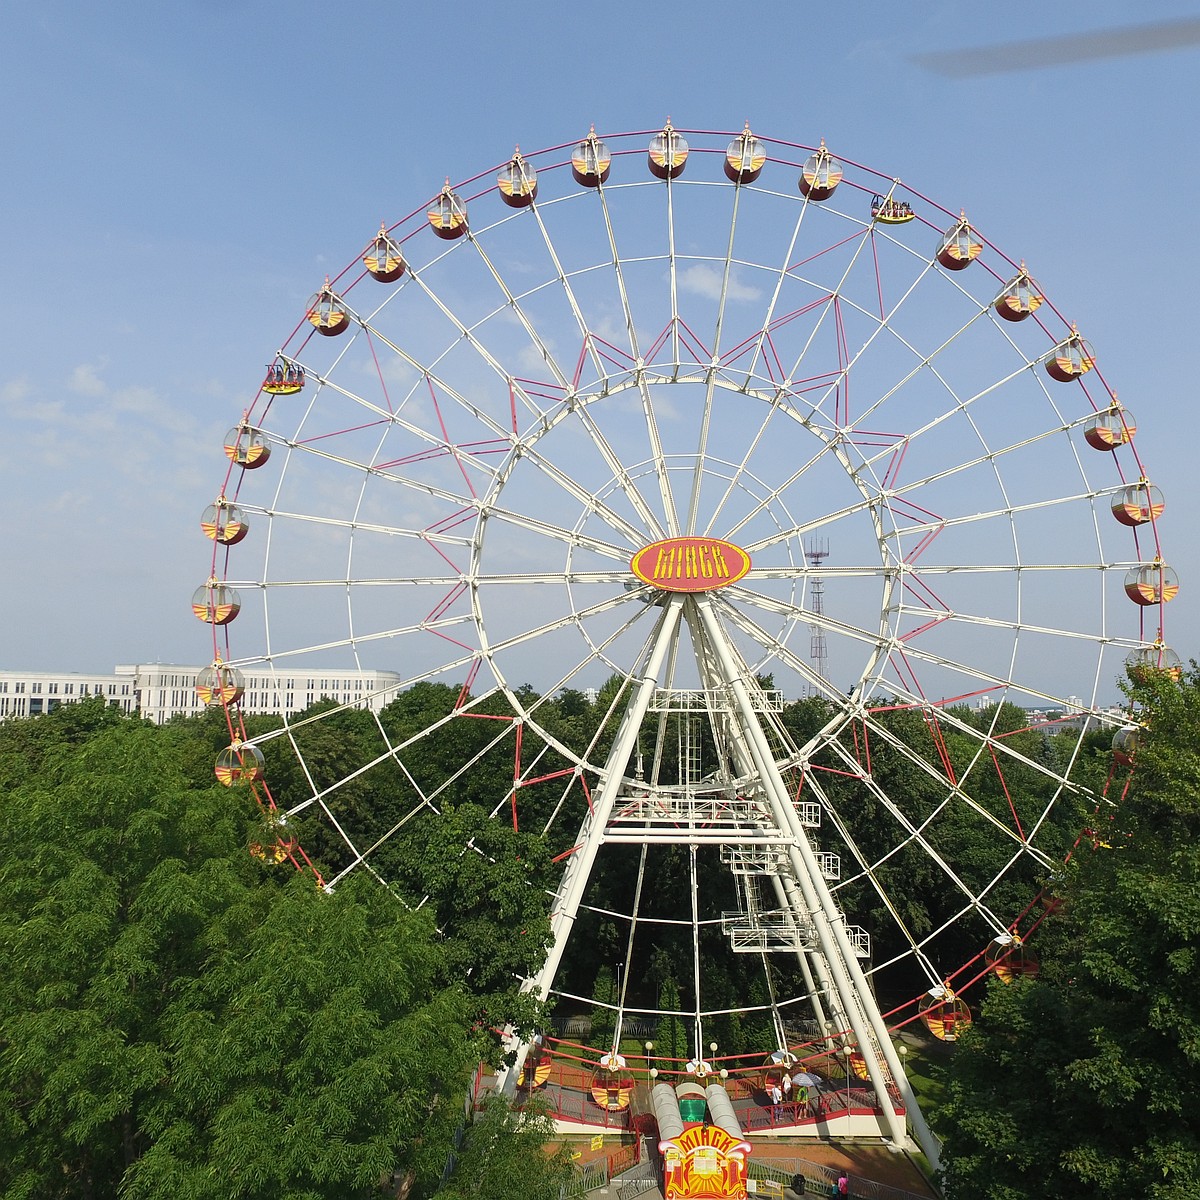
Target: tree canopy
(177, 1019)
(1083, 1081)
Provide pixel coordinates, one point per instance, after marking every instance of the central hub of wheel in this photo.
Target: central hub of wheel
(690, 564)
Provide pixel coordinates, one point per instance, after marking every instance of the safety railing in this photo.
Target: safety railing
(819, 1179)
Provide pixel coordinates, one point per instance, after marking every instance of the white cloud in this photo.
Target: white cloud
(705, 281)
(85, 380)
(16, 391)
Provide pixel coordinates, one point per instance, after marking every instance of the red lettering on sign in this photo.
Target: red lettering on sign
(690, 564)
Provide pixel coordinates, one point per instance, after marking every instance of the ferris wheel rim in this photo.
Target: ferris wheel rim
(869, 472)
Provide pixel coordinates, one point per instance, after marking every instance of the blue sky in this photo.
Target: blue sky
(181, 177)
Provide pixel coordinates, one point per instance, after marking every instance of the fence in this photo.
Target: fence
(600, 1172)
(819, 1179)
(581, 1027)
(460, 1133)
(570, 1097)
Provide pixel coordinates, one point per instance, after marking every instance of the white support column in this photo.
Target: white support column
(579, 866)
(847, 976)
(786, 898)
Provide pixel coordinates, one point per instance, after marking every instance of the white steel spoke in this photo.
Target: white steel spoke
(710, 382)
(671, 517)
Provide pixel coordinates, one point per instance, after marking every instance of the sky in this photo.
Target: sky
(179, 179)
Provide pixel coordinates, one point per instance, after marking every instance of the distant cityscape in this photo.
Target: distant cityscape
(160, 691)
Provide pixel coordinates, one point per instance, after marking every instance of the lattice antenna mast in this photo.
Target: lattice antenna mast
(817, 551)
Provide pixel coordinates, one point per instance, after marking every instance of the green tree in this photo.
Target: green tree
(503, 1157)
(1083, 1082)
(178, 1020)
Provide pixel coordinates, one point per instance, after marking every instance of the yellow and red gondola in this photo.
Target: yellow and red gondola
(1125, 744)
(1070, 359)
(220, 683)
(745, 157)
(591, 161)
(821, 174)
(1145, 662)
(612, 1083)
(667, 153)
(447, 215)
(238, 763)
(1010, 958)
(1110, 429)
(1020, 297)
(247, 447)
(216, 603)
(1138, 503)
(1152, 583)
(223, 522)
(327, 312)
(944, 1014)
(517, 182)
(383, 259)
(959, 246)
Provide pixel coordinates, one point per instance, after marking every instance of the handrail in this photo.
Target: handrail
(820, 1178)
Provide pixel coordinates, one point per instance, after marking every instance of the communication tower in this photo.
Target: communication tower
(816, 551)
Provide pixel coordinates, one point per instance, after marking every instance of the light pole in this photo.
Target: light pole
(902, 1050)
(651, 1070)
(846, 1051)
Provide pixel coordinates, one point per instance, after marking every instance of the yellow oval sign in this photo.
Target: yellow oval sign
(690, 564)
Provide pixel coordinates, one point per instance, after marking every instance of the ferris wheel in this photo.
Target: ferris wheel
(685, 428)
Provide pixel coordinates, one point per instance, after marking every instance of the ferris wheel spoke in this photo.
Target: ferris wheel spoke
(949, 787)
(396, 753)
(431, 445)
(994, 747)
(401, 533)
(976, 674)
(589, 500)
(827, 447)
(868, 870)
(710, 381)
(628, 488)
(833, 295)
(557, 533)
(670, 514)
(564, 277)
(868, 503)
(513, 304)
(469, 335)
(784, 654)
(924, 362)
(736, 478)
(989, 459)
(995, 514)
(596, 654)
(601, 443)
(784, 608)
(439, 627)
(781, 275)
(501, 434)
(576, 616)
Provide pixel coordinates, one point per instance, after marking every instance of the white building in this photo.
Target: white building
(160, 691)
(28, 693)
